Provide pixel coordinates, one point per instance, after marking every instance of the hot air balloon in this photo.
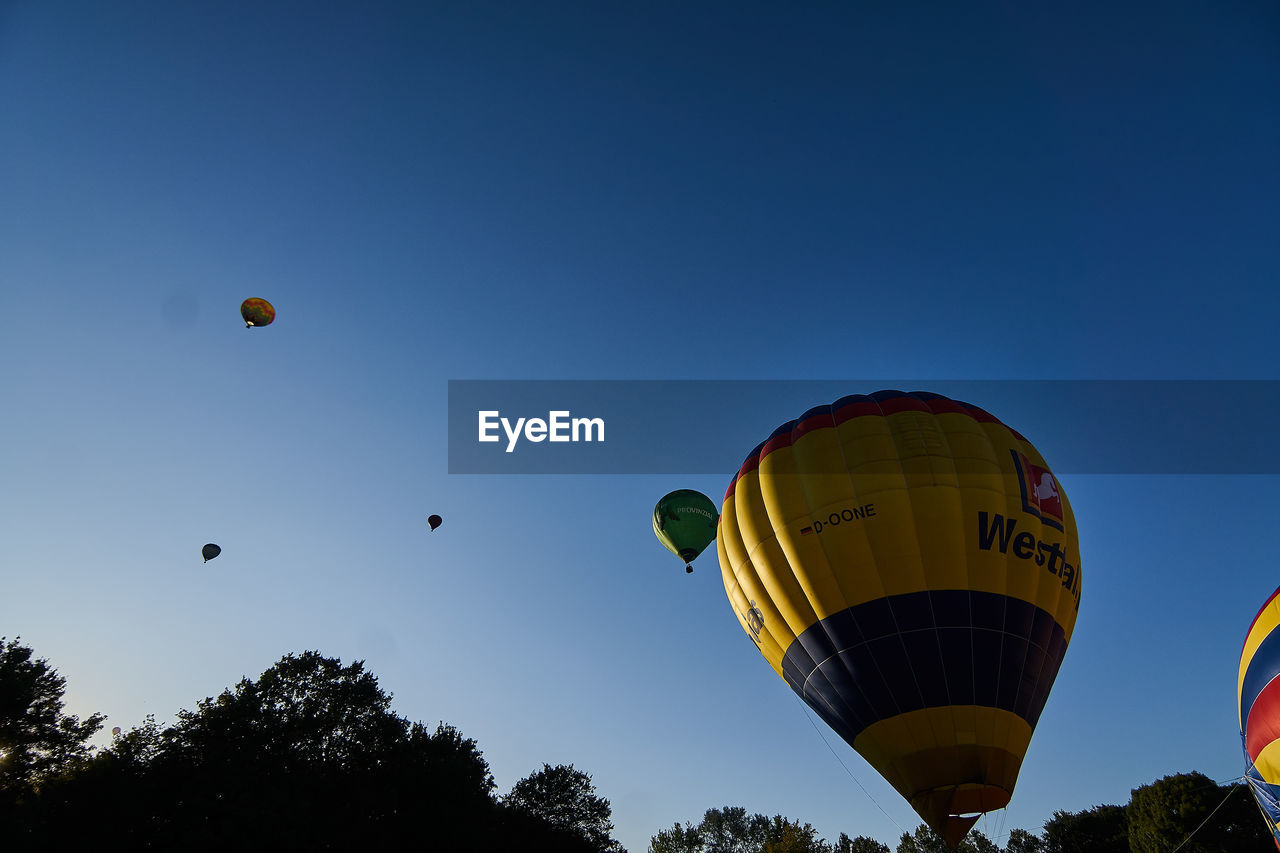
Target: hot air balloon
(257, 312)
(115, 730)
(435, 521)
(685, 522)
(1259, 706)
(909, 566)
(210, 551)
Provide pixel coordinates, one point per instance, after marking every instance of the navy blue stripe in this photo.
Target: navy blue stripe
(926, 650)
(1263, 666)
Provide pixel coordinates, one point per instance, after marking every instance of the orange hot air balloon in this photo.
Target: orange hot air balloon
(257, 312)
(909, 565)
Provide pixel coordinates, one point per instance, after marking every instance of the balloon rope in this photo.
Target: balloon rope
(1230, 791)
(999, 835)
(1253, 791)
(846, 767)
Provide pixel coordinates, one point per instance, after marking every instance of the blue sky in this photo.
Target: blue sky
(435, 192)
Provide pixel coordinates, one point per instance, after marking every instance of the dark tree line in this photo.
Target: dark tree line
(1187, 812)
(308, 757)
(1187, 809)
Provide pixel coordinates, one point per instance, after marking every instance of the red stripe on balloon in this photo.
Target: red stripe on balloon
(860, 406)
(821, 420)
(1262, 725)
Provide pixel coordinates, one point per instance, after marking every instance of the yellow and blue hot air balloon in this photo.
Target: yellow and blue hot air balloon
(910, 567)
(685, 523)
(1259, 706)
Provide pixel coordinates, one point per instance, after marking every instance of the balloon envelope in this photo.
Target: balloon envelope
(435, 521)
(210, 551)
(909, 566)
(257, 312)
(685, 523)
(115, 730)
(1259, 710)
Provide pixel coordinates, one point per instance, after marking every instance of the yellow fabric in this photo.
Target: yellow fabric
(883, 505)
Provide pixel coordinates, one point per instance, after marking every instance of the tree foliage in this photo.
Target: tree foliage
(786, 836)
(861, 844)
(1021, 841)
(1237, 824)
(1193, 808)
(925, 840)
(309, 756)
(1161, 815)
(564, 797)
(38, 740)
(678, 839)
(732, 830)
(1101, 829)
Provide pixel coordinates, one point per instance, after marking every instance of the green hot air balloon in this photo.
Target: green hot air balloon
(685, 522)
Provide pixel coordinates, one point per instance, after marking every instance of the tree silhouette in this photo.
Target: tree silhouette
(786, 836)
(861, 844)
(1238, 825)
(731, 830)
(38, 741)
(308, 757)
(678, 839)
(1101, 829)
(925, 840)
(1192, 808)
(564, 797)
(724, 830)
(1021, 841)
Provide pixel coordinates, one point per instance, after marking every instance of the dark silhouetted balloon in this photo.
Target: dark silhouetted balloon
(257, 312)
(210, 551)
(685, 523)
(435, 521)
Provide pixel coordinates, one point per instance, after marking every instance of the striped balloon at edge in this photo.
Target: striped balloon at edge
(1258, 692)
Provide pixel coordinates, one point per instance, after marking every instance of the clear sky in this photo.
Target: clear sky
(481, 190)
